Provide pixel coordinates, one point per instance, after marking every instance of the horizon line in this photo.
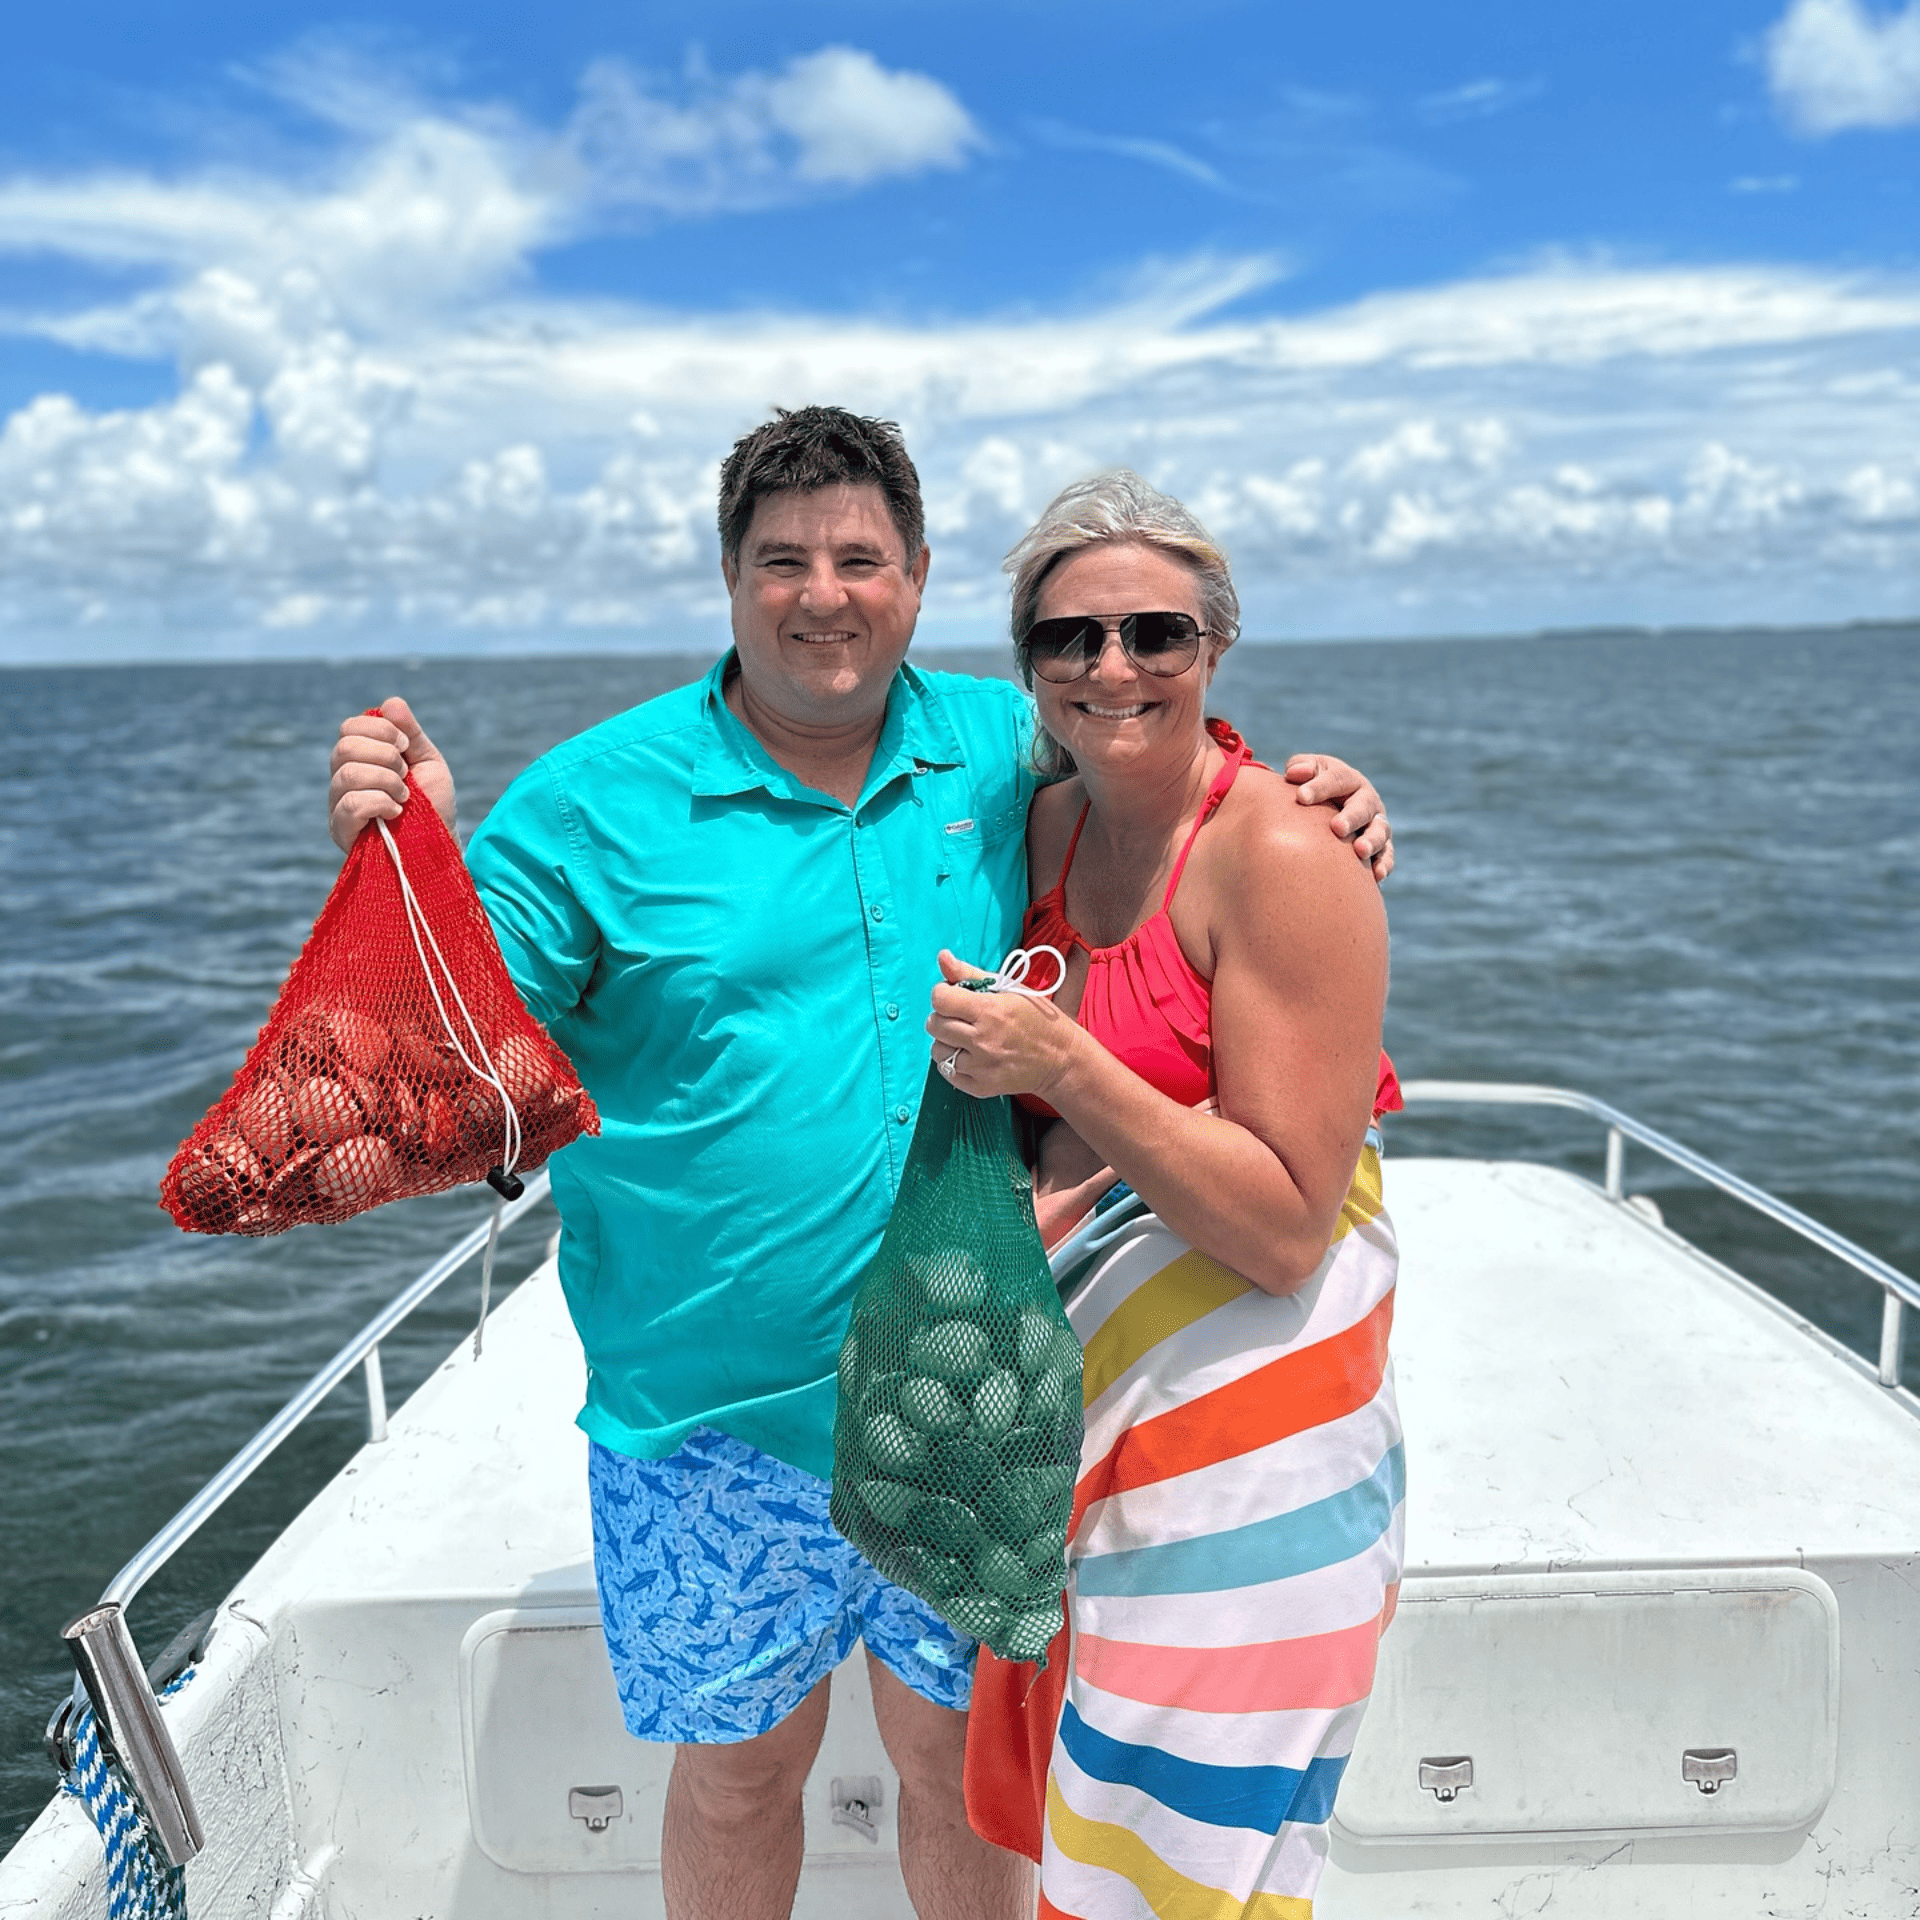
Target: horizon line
(531, 651)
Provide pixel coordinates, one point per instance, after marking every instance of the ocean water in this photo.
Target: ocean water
(1676, 872)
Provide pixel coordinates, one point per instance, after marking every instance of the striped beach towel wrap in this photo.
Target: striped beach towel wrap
(1235, 1555)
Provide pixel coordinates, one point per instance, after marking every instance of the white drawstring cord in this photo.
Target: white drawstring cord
(510, 1114)
(417, 926)
(1013, 970)
(1011, 977)
(486, 1268)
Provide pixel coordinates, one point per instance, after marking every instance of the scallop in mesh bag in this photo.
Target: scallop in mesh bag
(956, 1438)
(398, 1059)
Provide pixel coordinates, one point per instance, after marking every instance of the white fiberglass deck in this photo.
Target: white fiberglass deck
(407, 1688)
(1581, 1385)
(1584, 1391)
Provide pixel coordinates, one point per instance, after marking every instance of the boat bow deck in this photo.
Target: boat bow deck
(408, 1686)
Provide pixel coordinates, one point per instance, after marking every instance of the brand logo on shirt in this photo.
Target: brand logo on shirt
(958, 826)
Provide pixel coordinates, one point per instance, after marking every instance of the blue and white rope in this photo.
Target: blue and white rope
(141, 1883)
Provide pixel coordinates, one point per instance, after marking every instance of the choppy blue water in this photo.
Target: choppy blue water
(1679, 873)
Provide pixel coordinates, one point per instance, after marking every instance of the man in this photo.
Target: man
(727, 905)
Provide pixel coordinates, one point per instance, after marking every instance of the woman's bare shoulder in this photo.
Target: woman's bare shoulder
(1050, 823)
(1269, 833)
(1263, 808)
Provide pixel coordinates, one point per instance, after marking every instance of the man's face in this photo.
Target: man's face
(824, 603)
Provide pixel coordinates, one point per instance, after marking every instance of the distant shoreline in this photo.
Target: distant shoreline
(928, 647)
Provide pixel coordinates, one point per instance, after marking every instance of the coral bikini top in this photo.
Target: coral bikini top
(1143, 1000)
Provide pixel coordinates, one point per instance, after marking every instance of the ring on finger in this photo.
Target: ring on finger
(947, 1065)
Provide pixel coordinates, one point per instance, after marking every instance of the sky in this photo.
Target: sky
(426, 330)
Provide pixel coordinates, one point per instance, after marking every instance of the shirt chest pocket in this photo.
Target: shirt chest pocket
(960, 843)
(978, 863)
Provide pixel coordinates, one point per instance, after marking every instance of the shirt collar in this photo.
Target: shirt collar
(917, 736)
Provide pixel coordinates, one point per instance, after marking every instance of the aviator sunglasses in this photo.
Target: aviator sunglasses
(1162, 644)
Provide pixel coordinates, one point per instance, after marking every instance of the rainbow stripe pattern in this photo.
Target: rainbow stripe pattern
(1235, 1555)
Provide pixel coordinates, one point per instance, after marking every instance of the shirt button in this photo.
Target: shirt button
(900, 1114)
(879, 913)
(893, 1012)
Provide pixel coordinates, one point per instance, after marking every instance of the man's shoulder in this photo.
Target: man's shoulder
(633, 757)
(970, 693)
(650, 740)
(992, 719)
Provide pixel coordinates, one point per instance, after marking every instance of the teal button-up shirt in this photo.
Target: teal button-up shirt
(739, 967)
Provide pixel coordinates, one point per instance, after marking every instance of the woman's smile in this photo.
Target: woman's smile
(1130, 712)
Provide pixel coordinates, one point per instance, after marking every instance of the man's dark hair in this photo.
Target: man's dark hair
(801, 450)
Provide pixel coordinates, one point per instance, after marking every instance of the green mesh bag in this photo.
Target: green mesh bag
(956, 1440)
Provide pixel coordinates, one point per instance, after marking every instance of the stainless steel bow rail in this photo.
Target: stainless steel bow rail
(110, 1675)
(1899, 1291)
(122, 1695)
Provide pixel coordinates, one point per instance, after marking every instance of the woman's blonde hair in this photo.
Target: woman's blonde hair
(1116, 506)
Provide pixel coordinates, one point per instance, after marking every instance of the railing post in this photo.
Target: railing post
(1616, 1163)
(1893, 1337)
(110, 1671)
(376, 1397)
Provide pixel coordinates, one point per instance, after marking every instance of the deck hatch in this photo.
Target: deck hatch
(1599, 1703)
(556, 1785)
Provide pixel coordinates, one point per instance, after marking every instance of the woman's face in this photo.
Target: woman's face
(1115, 716)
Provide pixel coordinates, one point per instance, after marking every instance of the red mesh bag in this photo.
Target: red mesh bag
(398, 1059)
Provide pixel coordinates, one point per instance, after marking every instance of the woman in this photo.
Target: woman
(1213, 1043)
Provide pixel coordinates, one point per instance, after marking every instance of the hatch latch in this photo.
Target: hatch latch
(857, 1801)
(1709, 1768)
(599, 1807)
(1447, 1777)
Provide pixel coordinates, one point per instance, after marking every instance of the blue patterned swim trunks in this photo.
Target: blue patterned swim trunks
(727, 1596)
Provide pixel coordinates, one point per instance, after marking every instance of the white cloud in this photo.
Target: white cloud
(1566, 445)
(294, 611)
(1731, 490)
(854, 121)
(832, 119)
(385, 434)
(1153, 153)
(1874, 494)
(1478, 100)
(424, 206)
(360, 82)
(165, 481)
(1833, 64)
(430, 214)
(1409, 444)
